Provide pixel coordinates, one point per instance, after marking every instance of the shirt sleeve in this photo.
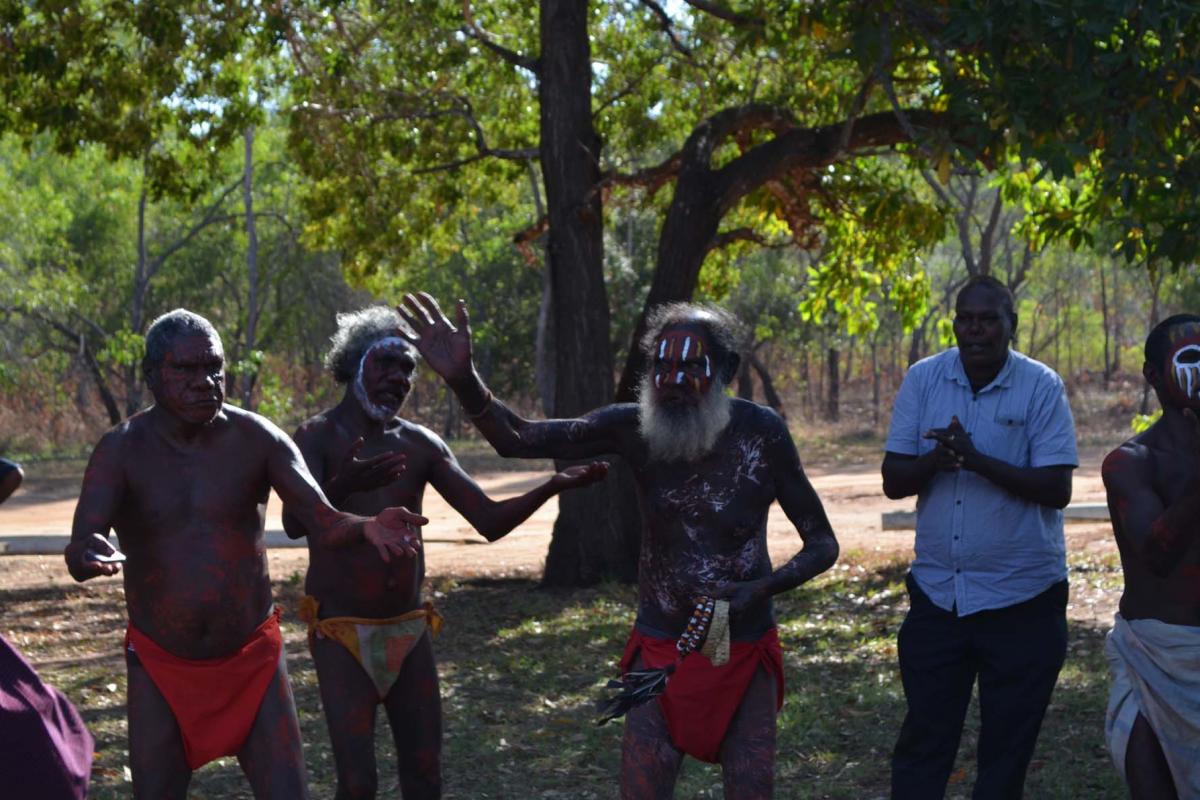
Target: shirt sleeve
(904, 433)
(1052, 428)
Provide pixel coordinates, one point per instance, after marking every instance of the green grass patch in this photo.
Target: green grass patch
(521, 669)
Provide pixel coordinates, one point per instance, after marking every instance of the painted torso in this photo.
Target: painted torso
(705, 524)
(1175, 597)
(355, 581)
(190, 520)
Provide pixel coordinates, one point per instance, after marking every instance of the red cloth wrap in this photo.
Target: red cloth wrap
(215, 700)
(701, 699)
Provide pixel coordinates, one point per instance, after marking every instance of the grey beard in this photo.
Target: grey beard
(377, 412)
(684, 435)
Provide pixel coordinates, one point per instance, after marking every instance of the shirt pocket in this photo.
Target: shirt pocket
(1007, 435)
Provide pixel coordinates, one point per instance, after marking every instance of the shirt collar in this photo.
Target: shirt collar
(1003, 380)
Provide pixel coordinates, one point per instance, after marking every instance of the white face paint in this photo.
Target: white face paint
(379, 412)
(1186, 363)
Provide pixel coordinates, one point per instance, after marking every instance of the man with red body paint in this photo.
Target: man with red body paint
(1153, 485)
(707, 469)
(367, 626)
(185, 485)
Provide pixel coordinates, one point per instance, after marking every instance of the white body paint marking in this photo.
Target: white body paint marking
(1187, 374)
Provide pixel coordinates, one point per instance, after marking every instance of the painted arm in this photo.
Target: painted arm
(1162, 534)
(392, 532)
(99, 499)
(803, 507)
(352, 474)
(495, 518)
(446, 348)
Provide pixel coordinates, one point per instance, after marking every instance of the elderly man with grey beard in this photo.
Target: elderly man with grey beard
(707, 468)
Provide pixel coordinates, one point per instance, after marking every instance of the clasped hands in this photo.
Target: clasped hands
(955, 450)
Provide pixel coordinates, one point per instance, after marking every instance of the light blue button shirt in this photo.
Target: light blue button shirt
(979, 546)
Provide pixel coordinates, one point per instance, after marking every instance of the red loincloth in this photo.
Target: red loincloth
(701, 699)
(215, 700)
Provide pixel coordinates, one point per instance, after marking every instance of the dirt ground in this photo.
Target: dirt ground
(852, 495)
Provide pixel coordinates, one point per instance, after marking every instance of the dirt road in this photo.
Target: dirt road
(853, 498)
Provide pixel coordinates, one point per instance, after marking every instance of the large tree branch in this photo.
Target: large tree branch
(811, 148)
(471, 29)
(210, 217)
(668, 27)
(734, 235)
(729, 15)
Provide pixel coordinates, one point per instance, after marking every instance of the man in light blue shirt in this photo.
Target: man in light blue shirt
(983, 436)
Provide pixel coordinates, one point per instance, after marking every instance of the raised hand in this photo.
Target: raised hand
(580, 475)
(93, 557)
(395, 532)
(363, 475)
(446, 348)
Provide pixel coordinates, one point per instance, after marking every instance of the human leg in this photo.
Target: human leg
(272, 756)
(748, 750)
(1146, 767)
(156, 757)
(938, 672)
(414, 709)
(649, 760)
(1021, 650)
(349, 700)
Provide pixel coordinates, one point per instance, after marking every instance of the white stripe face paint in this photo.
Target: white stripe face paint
(707, 367)
(658, 380)
(662, 348)
(1187, 370)
(679, 378)
(687, 344)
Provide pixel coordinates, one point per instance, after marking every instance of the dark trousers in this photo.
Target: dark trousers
(1016, 652)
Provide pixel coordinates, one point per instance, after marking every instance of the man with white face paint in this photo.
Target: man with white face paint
(1153, 485)
(707, 468)
(368, 628)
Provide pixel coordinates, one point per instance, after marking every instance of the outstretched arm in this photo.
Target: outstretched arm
(393, 532)
(495, 518)
(446, 348)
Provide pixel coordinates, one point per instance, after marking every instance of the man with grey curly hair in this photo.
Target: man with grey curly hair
(707, 469)
(368, 626)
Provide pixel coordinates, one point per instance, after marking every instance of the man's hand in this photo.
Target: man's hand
(954, 438)
(363, 475)
(83, 558)
(394, 532)
(446, 348)
(579, 476)
(740, 594)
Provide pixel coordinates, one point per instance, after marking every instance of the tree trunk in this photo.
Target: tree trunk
(1155, 285)
(831, 408)
(543, 363)
(769, 394)
(137, 307)
(875, 378)
(250, 373)
(745, 381)
(596, 534)
(1104, 317)
(1116, 303)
